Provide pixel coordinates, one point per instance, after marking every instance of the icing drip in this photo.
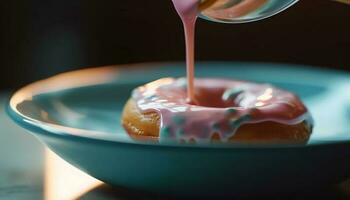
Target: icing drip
(222, 107)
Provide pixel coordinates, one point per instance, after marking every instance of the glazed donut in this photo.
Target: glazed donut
(225, 111)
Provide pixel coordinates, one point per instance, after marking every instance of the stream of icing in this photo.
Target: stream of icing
(188, 12)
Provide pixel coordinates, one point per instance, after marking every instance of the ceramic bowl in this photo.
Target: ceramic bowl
(77, 115)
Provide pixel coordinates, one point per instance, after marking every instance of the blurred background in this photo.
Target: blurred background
(42, 38)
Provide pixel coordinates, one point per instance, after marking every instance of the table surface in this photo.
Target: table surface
(28, 171)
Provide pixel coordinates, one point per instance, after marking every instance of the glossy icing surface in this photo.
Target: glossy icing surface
(222, 107)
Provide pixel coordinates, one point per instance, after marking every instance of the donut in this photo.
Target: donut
(224, 111)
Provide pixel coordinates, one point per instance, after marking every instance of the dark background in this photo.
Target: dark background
(42, 38)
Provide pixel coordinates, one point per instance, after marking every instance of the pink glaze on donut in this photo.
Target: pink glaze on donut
(222, 107)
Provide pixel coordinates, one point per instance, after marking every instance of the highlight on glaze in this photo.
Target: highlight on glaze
(222, 107)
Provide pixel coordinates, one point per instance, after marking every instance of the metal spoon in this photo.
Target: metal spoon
(242, 11)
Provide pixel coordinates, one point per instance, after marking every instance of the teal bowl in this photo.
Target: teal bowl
(77, 115)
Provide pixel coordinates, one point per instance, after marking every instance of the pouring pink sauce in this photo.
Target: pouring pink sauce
(188, 11)
(195, 109)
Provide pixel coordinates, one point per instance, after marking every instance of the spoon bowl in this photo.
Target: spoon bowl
(242, 11)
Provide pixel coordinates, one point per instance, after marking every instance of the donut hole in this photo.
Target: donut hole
(213, 97)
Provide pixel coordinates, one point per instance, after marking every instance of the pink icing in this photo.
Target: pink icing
(222, 107)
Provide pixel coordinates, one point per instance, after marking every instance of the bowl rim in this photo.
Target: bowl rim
(40, 128)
